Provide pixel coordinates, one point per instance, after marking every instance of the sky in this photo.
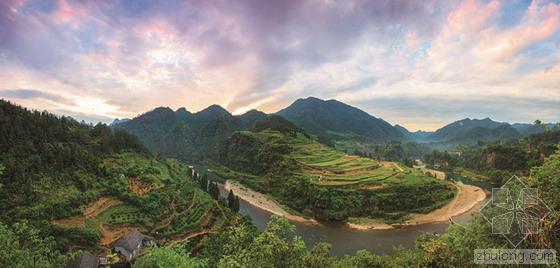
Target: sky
(420, 64)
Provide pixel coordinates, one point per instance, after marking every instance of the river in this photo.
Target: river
(345, 240)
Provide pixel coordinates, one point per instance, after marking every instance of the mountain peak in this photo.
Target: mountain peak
(214, 109)
(182, 112)
(253, 112)
(307, 100)
(338, 120)
(119, 121)
(162, 109)
(462, 127)
(159, 111)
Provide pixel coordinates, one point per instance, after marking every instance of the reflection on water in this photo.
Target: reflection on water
(347, 241)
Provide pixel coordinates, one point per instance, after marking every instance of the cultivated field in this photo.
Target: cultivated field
(157, 198)
(328, 167)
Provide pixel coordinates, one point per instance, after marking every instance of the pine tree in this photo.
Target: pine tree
(214, 191)
(204, 183)
(236, 205)
(231, 200)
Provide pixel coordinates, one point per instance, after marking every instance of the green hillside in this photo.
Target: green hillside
(339, 121)
(89, 185)
(187, 136)
(313, 178)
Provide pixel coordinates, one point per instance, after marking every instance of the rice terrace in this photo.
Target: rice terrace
(328, 167)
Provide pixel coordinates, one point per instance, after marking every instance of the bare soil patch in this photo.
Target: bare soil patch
(100, 205)
(139, 187)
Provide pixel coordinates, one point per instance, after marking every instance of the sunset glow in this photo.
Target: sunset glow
(420, 64)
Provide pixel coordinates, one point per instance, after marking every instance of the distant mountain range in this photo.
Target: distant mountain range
(193, 136)
(459, 129)
(528, 129)
(188, 136)
(469, 131)
(418, 135)
(339, 121)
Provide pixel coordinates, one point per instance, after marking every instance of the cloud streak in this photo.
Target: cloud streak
(31, 94)
(119, 58)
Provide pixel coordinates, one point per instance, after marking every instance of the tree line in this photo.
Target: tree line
(212, 188)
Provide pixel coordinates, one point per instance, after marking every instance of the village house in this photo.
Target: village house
(84, 260)
(133, 245)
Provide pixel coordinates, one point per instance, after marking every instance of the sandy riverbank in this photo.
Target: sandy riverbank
(262, 201)
(467, 197)
(368, 224)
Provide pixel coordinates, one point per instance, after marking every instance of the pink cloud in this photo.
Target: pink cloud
(540, 22)
(471, 15)
(67, 12)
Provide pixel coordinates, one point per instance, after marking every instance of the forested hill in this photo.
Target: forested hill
(50, 166)
(42, 153)
(86, 186)
(188, 136)
(468, 130)
(339, 121)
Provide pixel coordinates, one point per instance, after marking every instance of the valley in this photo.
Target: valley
(94, 186)
(279, 134)
(467, 197)
(320, 182)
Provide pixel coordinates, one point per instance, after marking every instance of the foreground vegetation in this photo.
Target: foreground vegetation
(277, 246)
(86, 186)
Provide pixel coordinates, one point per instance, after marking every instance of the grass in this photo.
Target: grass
(328, 167)
(188, 220)
(106, 215)
(470, 174)
(169, 201)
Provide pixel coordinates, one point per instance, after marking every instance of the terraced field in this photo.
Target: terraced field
(328, 167)
(319, 181)
(169, 205)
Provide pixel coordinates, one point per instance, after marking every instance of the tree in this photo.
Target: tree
(236, 205)
(231, 200)
(276, 246)
(2, 168)
(163, 257)
(409, 162)
(22, 246)
(203, 180)
(213, 190)
(436, 253)
(319, 256)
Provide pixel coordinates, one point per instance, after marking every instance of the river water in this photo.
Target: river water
(345, 240)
